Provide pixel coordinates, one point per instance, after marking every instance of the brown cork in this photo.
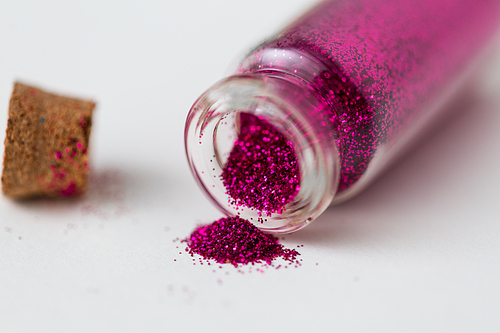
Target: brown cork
(46, 144)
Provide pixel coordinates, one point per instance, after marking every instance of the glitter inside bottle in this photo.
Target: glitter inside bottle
(348, 85)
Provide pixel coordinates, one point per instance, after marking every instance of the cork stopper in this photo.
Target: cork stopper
(46, 144)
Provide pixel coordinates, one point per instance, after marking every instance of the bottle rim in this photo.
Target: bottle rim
(296, 112)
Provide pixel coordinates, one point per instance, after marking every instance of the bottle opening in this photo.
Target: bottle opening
(258, 148)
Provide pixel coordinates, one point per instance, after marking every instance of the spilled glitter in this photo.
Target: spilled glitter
(235, 241)
(262, 171)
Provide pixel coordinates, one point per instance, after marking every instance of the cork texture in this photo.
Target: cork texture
(46, 144)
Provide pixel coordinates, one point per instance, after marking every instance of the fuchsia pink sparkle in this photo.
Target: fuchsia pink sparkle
(384, 63)
(236, 241)
(387, 63)
(262, 171)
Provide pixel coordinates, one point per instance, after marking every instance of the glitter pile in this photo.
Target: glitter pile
(238, 242)
(262, 171)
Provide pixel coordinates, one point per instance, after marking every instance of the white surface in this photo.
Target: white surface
(419, 251)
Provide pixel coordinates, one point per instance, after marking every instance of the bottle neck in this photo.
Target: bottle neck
(285, 100)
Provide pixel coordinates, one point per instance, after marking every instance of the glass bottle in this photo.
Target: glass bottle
(350, 83)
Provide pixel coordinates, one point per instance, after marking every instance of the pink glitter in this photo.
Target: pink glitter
(386, 61)
(262, 170)
(238, 242)
(70, 190)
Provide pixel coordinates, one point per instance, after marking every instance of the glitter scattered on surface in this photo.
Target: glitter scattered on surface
(235, 241)
(107, 195)
(262, 171)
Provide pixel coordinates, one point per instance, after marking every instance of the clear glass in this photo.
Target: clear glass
(351, 83)
(296, 112)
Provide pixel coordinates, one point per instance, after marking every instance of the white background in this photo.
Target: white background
(419, 251)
